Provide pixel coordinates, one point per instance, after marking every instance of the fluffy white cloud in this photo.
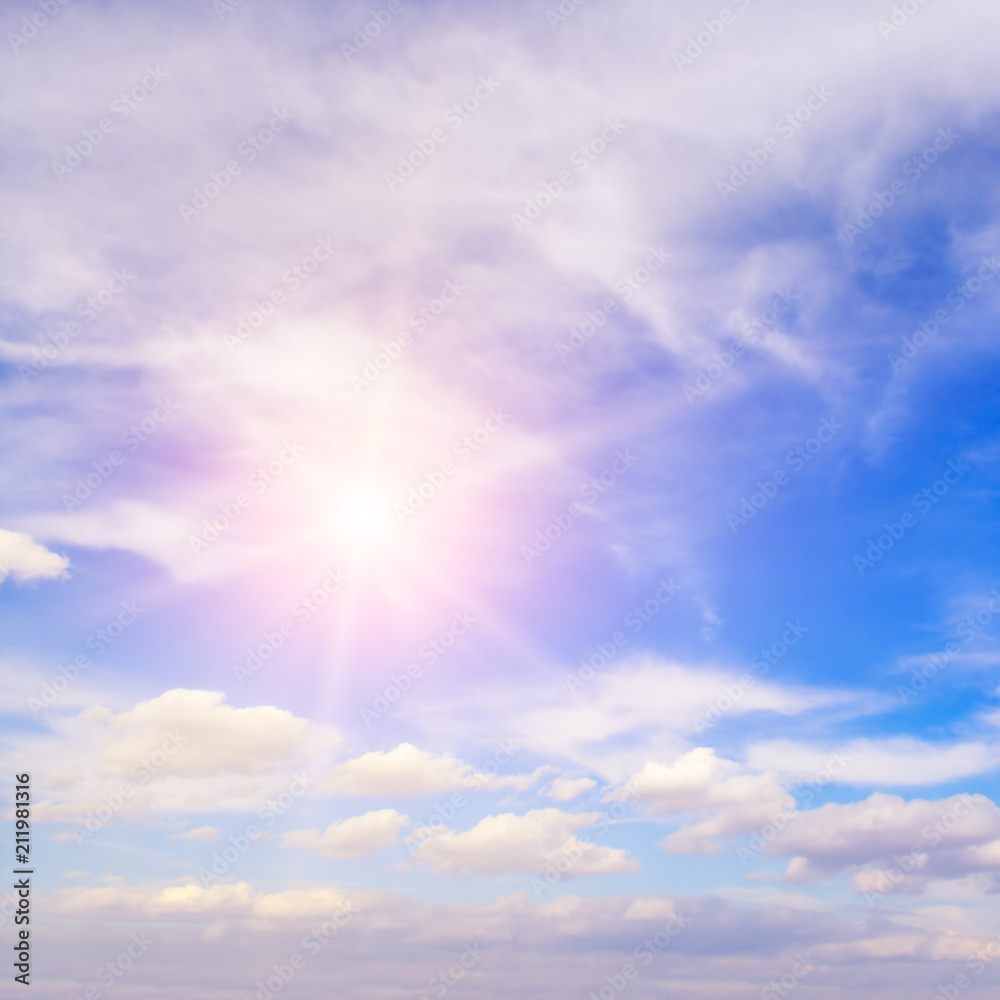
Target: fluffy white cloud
(564, 789)
(182, 751)
(356, 837)
(409, 771)
(402, 771)
(916, 839)
(838, 835)
(734, 801)
(221, 738)
(529, 843)
(24, 559)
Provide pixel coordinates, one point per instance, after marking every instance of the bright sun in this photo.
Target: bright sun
(367, 518)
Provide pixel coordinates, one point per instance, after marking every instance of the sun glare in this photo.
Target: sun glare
(367, 518)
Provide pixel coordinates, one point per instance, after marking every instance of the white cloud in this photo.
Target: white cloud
(689, 126)
(24, 559)
(895, 761)
(395, 941)
(408, 771)
(565, 789)
(222, 738)
(201, 833)
(356, 837)
(182, 751)
(644, 708)
(953, 836)
(529, 843)
(182, 899)
(702, 782)
(153, 530)
(402, 771)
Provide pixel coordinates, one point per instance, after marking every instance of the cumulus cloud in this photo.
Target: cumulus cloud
(408, 771)
(199, 279)
(529, 843)
(917, 839)
(235, 740)
(402, 771)
(564, 789)
(733, 800)
(25, 559)
(182, 751)
(356, 837)
(949, 838)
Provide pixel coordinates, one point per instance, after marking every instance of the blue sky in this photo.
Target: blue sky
(307, 501)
